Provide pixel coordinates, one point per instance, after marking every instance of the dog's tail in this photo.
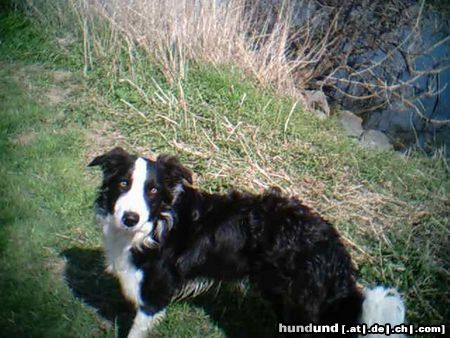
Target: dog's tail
(382, 306)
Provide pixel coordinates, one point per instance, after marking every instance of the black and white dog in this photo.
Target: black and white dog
(162, 236)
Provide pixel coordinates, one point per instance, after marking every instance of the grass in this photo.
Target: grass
(40, 165)
(392, 211)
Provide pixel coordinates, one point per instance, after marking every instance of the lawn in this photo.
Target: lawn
(393, 211)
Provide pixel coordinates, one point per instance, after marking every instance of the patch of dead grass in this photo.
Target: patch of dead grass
(103, 135)
(25, 138)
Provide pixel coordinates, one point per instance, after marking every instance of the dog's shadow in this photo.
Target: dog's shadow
(236, 315)
(86, 276)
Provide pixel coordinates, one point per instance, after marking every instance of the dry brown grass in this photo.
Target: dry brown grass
(236, 32)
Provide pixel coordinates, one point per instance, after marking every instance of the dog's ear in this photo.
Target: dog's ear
(171, 172)
(110, 160)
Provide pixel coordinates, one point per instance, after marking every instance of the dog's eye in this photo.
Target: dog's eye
(124, 184)
(152, 191)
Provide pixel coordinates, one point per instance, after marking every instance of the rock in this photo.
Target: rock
(352, 124)
(375, 139)
(316, 101)
(385, 48)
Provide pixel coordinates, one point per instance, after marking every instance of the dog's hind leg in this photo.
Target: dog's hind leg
(144, 323)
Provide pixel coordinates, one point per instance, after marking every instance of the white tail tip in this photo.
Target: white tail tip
(382, 306)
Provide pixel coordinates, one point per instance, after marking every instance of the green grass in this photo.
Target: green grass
(32, 44)
(394, 211)
(43, 197)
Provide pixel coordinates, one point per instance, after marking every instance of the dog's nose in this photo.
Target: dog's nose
(130, 218)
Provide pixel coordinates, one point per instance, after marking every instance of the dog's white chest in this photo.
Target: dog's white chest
(130, 280)
(119, 262)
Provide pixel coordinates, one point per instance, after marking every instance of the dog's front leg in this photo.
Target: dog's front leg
(144, 323)
(156, 291)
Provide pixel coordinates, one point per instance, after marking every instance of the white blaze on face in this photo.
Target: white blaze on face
(133, 200)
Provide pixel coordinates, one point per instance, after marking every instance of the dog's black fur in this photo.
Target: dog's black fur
(293, 256)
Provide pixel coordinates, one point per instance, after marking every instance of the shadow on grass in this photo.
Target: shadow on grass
(86, 276)
(237, 315)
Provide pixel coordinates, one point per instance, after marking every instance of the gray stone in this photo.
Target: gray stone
(375, 139)
(316, 101)
(352, 124)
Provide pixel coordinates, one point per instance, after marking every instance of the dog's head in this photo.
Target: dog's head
(127, 189)
(136, 190)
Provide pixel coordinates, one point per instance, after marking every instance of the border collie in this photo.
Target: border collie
(164, 238)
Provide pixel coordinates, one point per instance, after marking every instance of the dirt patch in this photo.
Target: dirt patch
(24, 73)
(55, 265)
(25, 138)
(64, 87)
(58, 95)
(61, 76)
(102, 136)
